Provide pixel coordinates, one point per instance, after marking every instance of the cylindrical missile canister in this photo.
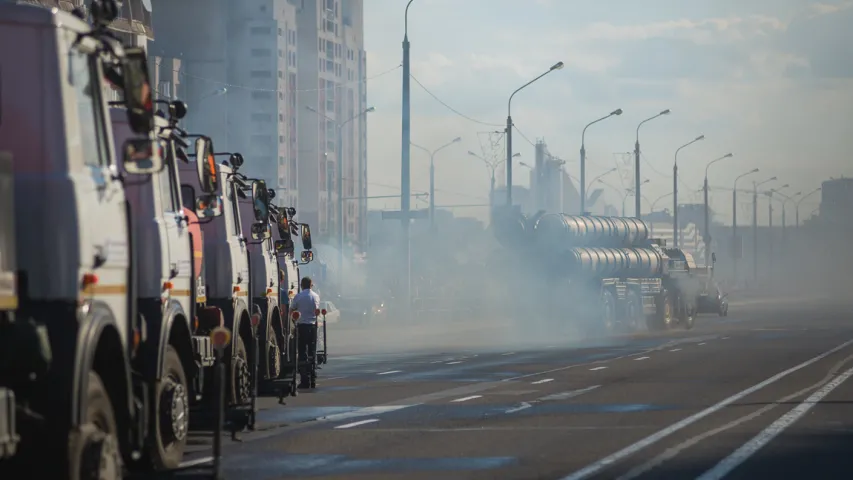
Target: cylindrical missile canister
(559, 231)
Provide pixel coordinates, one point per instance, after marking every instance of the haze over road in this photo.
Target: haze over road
(762, 393)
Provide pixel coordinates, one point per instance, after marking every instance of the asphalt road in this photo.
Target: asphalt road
(762, 393)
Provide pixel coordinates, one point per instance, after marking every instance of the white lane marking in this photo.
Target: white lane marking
(672, 452)
(389, 372)
(655, 437)
(703, 343)
(768, 434)
(453, 363)
(642, 358)
(196, 462)
(508, 353)
(596, 368)
(725, 338)
(355, 424)
(523, 406)
(571, 394)
(362, 412)
(546, 380)
(437, 361)
(465, 399)
(334, 378)
(675, 350)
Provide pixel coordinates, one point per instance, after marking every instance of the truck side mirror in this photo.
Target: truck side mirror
(137, 91)
(306, 256)
(261, 231)
(208, 206)
(306, 238)
(142, 156)
(261, 201)
(236, 160)
(208, 174)
(284, 227)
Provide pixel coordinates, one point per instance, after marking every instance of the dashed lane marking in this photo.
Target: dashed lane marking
(508, 353)
(389, 372)
(703, 343)
(453, 363)
(546, 380)
(356, 424)
(596, 368)
(675, 350)
(465, 399)
(642, 358)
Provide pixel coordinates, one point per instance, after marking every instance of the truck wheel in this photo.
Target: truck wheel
(171, 414)
(634, 312)
(274, 359)
(662, 318)
(240, 374)
(689, 317)
(94, 451)
(608, 312)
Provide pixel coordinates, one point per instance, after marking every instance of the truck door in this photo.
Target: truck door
(177, 233)
(101, 201)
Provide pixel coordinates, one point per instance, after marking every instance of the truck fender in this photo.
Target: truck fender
(174, 315)
(98, 327)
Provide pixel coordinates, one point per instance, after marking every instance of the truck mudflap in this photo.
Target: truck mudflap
(8, 435)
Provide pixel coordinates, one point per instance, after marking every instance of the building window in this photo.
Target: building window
(261, 74)
(262, 31)
(261, 52)
(261, 95)
(280, 74)
(281, 139)
(330, 66)
(279, 32)
(330, 26)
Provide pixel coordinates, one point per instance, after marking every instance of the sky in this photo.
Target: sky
(767, 80)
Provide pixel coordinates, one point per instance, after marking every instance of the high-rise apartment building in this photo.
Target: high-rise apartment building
(238, 74)
(331, 96)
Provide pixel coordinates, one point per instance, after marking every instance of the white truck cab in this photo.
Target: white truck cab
(176, 352)
(226, 262)
(76, 330)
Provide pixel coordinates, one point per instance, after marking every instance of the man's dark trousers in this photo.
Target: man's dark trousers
(307, 346)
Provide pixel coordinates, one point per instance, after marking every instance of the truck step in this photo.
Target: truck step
(203, 350)
(8, 435)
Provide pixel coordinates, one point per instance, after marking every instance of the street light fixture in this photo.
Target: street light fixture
(755, 226)
(432, 176)
(706, 235)
(675, 232)
(637, 160)
(801, 201)
(556, 66)
(616, 112)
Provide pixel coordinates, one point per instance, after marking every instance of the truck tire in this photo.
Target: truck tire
(170, 421)
(241, 384)
(94, 451)
(662, 318)
(634, 316)
(273, 358)
(608, 313)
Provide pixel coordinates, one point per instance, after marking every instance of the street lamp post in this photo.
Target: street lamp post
(637, 160)
(706, 237)
(675, 232)
(556, 66)
(432, 176)
(736, 253)
(405, 168)
(770, 225)
(755, 226)
(618, 111)
(339, 173)
(801, 201)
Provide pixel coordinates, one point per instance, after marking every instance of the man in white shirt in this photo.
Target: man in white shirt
(307, 303)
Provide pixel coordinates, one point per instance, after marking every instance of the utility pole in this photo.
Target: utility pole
(755, 227)
(405, 170)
